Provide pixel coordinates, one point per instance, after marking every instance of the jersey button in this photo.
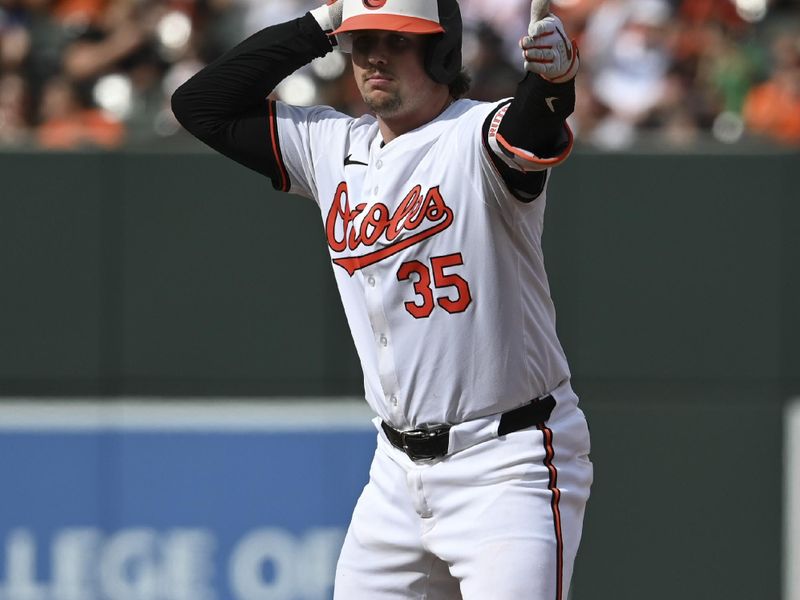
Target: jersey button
(371, 281)
(375, 191)
(394, 400)
(379, 164)
(384, 341)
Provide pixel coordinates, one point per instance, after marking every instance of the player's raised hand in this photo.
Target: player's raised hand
(329, 17)
(547, 50)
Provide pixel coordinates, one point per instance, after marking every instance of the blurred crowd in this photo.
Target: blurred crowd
(674, 73)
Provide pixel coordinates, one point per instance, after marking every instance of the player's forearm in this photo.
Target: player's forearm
(534, 125)
(239, 81)
(536, 119)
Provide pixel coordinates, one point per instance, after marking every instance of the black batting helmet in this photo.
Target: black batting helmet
(440, 19)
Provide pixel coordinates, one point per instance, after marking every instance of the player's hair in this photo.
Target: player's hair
(460, 85)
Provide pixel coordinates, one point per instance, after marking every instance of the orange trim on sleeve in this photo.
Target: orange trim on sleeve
(530, 157)
(273, 132)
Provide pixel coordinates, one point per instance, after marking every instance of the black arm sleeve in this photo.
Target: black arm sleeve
(531, 124)
(225, 104)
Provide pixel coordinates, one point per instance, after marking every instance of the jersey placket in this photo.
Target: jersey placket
(384, 347)
(373, 279)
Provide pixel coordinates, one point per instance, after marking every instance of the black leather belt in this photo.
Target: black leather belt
(432, 442)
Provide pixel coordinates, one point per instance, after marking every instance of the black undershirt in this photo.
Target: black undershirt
(225, 104)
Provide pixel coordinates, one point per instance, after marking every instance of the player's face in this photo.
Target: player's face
(389, 71)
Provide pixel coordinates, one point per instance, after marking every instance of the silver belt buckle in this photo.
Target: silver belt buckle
(422, 434)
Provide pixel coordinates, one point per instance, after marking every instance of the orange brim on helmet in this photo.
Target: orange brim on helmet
(441, 19)
(385, 22)
(406, 16)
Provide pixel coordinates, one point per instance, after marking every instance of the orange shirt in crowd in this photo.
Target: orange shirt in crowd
(773, 108)
(87, 128)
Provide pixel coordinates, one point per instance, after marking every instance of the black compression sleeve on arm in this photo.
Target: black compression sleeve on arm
(225, 104)
(535, 119)
(530, 124)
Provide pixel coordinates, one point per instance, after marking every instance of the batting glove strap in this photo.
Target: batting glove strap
(547, 51)
(329, 17)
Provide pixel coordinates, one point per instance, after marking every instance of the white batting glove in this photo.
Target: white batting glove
(329, 17)
(548, 51)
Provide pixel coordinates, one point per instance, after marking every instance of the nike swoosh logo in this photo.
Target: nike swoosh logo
(349, 161)
(549, 102)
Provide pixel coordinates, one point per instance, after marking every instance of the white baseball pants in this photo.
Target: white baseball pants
(500, 520)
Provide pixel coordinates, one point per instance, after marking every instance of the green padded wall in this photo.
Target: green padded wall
(677, 284)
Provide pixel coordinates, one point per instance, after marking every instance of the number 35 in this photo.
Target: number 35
(422, 287)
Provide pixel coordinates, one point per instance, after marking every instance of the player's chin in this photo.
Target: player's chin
(378, 91)
(383, 103)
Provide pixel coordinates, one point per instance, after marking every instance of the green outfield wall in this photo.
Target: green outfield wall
(677, 284)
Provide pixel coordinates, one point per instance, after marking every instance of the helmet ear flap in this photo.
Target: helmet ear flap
(443, 60)
(443, 56)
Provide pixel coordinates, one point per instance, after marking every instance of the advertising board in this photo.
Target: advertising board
(212, 501)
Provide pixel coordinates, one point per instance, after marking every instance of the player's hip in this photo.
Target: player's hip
(554, 421)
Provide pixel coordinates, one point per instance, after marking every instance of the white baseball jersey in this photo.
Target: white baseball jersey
(439, 266)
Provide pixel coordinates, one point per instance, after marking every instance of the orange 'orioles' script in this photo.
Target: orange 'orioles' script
(419, 216)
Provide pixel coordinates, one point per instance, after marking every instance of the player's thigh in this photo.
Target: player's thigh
(423, 578)
(382, 557)
(520, 517)
(526, 552)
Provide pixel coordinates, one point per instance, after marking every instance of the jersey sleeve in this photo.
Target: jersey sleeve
(526, 135)
(517, 157)
(499, 183)
(225, 105)
(301, 140)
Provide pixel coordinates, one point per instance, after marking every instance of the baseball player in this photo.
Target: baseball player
(433, 209)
